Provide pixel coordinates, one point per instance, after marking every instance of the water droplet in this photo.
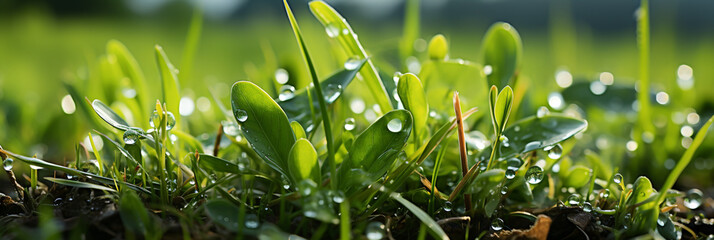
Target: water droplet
(352, 63)
(7, 164)
(662, 219)
(338, 197)
(282, 76)
(555, 151)
(597, 88)
(310, 213)
(693, 199)
(488, 69)
(497, 224)
(587, 207)
(448, 206)
(332, 30)
(375, 231)
(155, 119)
(504, 141)
(131, 136)
(306, 187)
(67, 104)
(534, 145)
(504, 190)
(230, 128)
(534, 175)
(574, 200)
(241, 115)
(510, 174)
(394, 125)
(605, 194)
(556, 101)
(350, 124)
(287, 92)
(542, 112)
(252, 221)
(332, 92)
(618, 178)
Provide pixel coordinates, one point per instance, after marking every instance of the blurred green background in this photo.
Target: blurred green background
(44, 44)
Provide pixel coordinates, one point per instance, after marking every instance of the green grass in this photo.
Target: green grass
(280, 162)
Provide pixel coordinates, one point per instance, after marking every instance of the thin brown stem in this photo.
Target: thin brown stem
(217, 143)
(462, 146)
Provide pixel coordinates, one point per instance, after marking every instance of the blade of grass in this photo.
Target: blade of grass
(643, 42)
(337, 26)
(97, 155)
(189, 49)
(436, 230)
(78, 184)
(169, 84)
(318, 91)
(684, 161)
(411, 31)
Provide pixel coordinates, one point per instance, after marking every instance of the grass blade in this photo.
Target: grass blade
(169, 84)
(189, 49)
(338, 28)
(436, 230)
(78, 184)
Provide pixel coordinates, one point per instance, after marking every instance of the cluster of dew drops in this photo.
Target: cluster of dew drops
(132, 135)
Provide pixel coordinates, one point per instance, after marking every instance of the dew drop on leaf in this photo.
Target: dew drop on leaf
(532, 146)
(574, 200)
(587, 207)
(352, 63)
(497, 224)
(394, 125)
(375, 231)
(693, 199)
(332, 92)
(504, 190)
(230, 128)
(605, 194)
(241, 115)
(510, 173)
(7, 164)
(448, 206)
(170, 121)
(617, 178)
(332, 30)
(287, 92)
(349, 124)
(131, 136)
(661, 220)
(338, 197)
(534, 175)
(555, 151)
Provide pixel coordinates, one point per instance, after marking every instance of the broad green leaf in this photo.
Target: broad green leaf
(411, 92)
(109, 116)
(434, 227)
(501, 50)
(223, 212)
(297, 108)
(298, 130)
(264, 123)
(377, 147)
(578, 176)
(72, 171)
(133, 213)
(438, 48)
(302, 162)
(338, 28)
(169, 83)
(533, 133)
(645, 217)
(667, 229)
(502, 110)
(78, 184)
(221, 165)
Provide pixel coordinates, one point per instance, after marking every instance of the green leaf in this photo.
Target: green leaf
(298, 130)
(169, 83)
(493, 97)
(78, 184)
(374, 151)
(502, 110)
(442, 78)
(434, 227)
(486, 180)
(534, 133)
(411, 92)
(645, 217)
(223, 212)
(122, 150)
(130, 67)
(133, 213)
(438, 48)
(264, 123)
(578, 176)
(502, 50)
(191, 142)
(302, 162)
(221, 165)
(84, 106)
(338, 28)
(297, 108)
(109, 116)
(411, 29)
